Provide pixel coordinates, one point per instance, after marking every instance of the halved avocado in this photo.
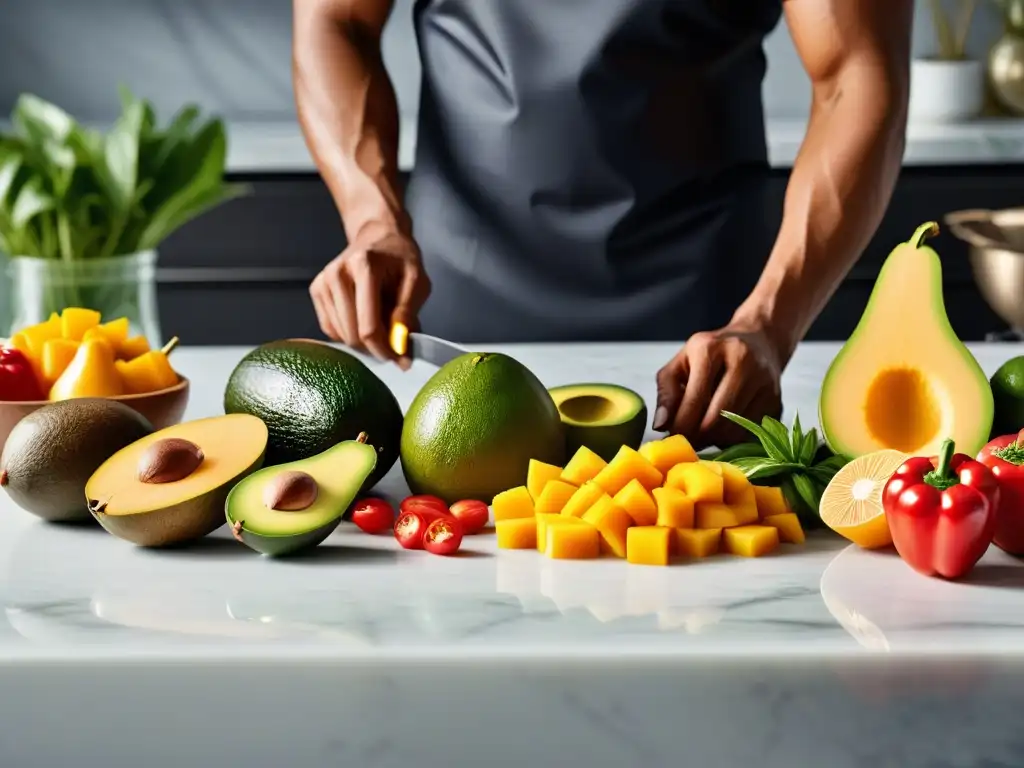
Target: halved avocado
(603, 417)
(169, 487)
(903, 380)
(289, 507)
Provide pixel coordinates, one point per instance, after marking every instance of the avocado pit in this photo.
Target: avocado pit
(290, 491)
(169, 460)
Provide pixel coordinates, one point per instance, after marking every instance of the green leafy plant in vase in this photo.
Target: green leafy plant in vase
(83, 212)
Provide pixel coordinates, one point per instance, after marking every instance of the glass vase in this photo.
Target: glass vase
(121, 286)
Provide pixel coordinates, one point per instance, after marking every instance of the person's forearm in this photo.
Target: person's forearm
(348, 112)
(840, 186)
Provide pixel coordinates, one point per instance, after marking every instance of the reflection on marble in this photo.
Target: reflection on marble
(361, 653)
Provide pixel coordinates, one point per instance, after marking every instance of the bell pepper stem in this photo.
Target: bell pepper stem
(928, 229)
(942, 477)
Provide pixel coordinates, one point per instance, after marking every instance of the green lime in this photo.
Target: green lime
(1008, 397)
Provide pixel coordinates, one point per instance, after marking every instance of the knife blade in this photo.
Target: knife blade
(422, 346)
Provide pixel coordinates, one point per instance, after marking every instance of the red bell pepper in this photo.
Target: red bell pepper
(17, 379)
(1005, 457)
(941, 513)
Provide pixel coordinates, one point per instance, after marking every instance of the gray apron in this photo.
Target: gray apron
(590, 170)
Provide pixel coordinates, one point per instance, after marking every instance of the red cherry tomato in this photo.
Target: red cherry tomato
(373, 515)
(443, 536)
(410, 527)
(423, 501)
(473, 515)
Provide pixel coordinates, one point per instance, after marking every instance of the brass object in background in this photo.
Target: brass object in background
(996, 250)
(1006, 60)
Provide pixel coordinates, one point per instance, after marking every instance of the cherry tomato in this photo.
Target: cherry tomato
(373, 515)
(413, 503)
(410, 527)
(443, 536)
(473, 514)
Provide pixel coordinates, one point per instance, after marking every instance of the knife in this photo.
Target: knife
(422, 346)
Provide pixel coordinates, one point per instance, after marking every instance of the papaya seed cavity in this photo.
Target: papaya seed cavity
(290, 491)
(169, 460)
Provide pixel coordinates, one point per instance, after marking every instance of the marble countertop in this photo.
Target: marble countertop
(366, 655)
(280, 148)
(74, 592)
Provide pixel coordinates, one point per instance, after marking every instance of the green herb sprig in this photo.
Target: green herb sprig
(798, 462)
(70, 192)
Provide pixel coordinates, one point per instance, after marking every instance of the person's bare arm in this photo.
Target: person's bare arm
(857, 53)
(349, 117)
(347, 107)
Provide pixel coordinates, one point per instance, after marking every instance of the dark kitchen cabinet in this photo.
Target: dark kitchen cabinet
(239, 275)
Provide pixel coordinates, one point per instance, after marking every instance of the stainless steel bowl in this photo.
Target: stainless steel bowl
(996, 250)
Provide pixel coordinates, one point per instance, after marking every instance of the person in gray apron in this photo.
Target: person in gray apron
(597, 171)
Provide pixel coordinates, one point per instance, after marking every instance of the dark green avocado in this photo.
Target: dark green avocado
(312, 396)
(603, 417)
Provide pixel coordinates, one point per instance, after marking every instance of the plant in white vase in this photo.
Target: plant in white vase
(82, 212)
(949, 86)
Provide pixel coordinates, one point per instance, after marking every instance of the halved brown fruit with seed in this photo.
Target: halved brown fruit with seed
(169, 487)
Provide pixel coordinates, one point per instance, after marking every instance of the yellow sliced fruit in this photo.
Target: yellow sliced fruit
(513, 503)
(583, 466)
(538, 475)
(852, 503)
(583, 499)
(554, 497)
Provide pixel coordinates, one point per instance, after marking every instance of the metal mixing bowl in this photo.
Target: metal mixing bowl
(995, 241)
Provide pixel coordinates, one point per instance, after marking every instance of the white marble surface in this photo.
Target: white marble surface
(279, 147)
(367, 655)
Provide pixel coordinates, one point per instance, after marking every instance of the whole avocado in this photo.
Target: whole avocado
(472, 429)
(312, 396)
(53, 451)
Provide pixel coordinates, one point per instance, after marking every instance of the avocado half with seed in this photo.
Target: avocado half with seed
(169, 487)
(603, 417)
(52, 452)
(286, 508)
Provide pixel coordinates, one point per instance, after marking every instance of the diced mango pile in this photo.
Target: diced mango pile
(53, 346)
(647, 506)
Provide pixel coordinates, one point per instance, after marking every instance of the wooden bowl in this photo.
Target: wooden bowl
(163, 408)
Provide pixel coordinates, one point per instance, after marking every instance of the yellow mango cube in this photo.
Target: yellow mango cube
(745, 504)
(750, 540)
(697, 481)
(788, 525)
(697, 542)
(57, 353)
(628, 465)
(770, 501)
(554, 497)
(543, 522)
(583, 466)
(734, 483)
(713, 514)
(583, 499)
(516, 533)
(611, 522)
(36, 336)
(667, 452)
(675, 508)
(133, 347)
(635, 499)
(573, 542)
(648, 545)
(513, 503)
(116, 331)
(75, 321)
(538, 475)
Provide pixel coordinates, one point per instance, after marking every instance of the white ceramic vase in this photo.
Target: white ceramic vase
(946, 91)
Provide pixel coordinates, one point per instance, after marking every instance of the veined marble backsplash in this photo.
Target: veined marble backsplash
(232, 56)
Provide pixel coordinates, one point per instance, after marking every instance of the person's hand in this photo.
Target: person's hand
(736, 368)
(376, 281)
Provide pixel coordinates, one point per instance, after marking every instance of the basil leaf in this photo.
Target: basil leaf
(833, 463)
(808, 447)
(774, 448)
(756, 468)
(808, 491)
(122, 157)
(807, 514)
(740, 451)
(796, 437)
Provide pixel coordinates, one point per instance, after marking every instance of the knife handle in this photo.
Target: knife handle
(399, 339)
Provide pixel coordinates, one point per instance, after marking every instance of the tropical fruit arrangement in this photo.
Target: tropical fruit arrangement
(917, 450)
(75, 354)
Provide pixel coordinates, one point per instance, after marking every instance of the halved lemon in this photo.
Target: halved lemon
(852, 503)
